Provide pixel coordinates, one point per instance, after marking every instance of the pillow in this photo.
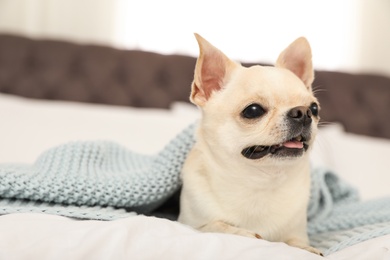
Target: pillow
(361, 160)
(29, 127)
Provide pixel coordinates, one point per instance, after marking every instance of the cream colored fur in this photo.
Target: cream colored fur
(223, 191)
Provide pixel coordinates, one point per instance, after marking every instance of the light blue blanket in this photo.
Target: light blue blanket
(105, 181)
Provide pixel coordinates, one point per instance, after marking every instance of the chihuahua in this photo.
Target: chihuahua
(248, 172)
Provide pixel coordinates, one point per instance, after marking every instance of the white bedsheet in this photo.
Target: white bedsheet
(39, 236)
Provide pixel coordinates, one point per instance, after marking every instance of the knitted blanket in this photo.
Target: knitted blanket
(105, 181)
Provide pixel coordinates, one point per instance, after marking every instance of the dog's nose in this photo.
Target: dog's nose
(301, 115)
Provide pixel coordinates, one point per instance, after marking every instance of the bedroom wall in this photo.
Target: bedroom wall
(75, 20)
(374, 53)
(348, 35)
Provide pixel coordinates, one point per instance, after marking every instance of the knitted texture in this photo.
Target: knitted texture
(349, 224)
(8, 206)
(98, 174)
(336, 217)
(105, 181)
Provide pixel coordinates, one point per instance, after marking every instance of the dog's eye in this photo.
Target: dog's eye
(314, 109)
(253, 111)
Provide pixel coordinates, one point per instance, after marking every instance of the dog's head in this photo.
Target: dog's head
(258, 113)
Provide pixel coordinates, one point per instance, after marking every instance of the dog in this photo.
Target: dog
(248, 173)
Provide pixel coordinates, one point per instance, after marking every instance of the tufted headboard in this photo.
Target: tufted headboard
(58, 70)
(49, 69)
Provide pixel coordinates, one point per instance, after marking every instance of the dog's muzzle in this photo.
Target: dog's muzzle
(299, 121)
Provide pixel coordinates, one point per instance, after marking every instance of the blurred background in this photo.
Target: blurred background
(348, 35)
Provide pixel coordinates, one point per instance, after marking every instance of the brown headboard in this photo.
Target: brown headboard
(58, 70)
(49, 69)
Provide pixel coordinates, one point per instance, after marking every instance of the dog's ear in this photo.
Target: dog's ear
(211, 71)
(297, 58)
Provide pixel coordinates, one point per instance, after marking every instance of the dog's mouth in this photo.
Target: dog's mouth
(293, 147)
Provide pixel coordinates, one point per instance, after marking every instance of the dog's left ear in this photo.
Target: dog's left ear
(297, 58)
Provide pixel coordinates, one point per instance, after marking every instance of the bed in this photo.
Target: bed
(53, 93)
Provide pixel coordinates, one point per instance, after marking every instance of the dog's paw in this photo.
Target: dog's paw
(299, 244)
(244, 233)
(220, 226)
(313, 250)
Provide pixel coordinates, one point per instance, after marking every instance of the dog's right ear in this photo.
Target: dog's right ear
(211, 71)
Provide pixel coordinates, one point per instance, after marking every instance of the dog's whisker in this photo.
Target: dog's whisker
(326, 123)
(317, 89)
(253, 152)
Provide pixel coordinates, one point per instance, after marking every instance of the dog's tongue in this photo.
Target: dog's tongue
(293, 144)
